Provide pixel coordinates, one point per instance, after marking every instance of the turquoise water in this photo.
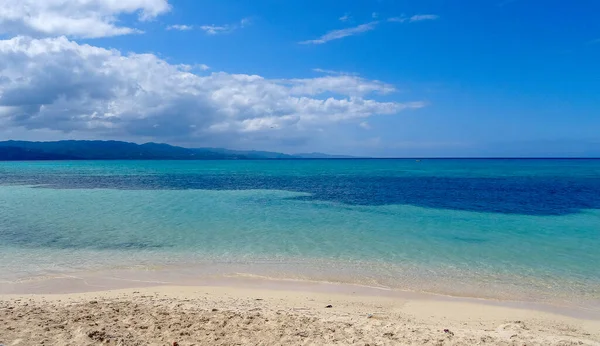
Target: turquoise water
(508, 229)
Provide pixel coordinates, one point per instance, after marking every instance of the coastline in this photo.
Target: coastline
(272, 313)
(100, 256)
(218, 276)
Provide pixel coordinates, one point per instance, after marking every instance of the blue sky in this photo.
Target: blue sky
(378, 78)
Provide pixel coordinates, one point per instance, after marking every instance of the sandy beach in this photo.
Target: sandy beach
(213, 315)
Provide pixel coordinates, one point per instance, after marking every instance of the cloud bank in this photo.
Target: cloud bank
(75, 18)
(60, 85)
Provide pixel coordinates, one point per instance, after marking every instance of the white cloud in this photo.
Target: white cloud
(415, 18)
(346, 17)
(333, 72)
(337, 34)
(341, 84)
(400, 19)
(188, 68)
(224, 29)
(75, 18)
(421, 17)
(215, 29)
(365, 125)
(180, 27)
(245, 22)
(55, 84)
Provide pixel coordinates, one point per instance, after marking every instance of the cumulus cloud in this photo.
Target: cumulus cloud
(56, 84)
(333, 72)
(340, 84)
(75, 18)
(337, 34)
(215, 29)
(180, 27)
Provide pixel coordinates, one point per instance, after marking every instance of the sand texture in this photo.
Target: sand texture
(236, 316)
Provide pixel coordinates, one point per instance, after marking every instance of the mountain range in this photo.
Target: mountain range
(116, 150)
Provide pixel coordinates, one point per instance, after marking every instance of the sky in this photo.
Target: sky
(385, 78)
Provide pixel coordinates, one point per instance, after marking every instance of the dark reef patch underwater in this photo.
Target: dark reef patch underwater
(505, 186)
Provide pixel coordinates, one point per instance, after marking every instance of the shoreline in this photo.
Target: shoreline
(108, 281)
(100, 267)
(276, 313)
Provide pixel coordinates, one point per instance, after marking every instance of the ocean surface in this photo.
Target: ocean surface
(503, 229)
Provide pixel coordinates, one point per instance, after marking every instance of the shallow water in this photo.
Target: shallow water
(508, 229)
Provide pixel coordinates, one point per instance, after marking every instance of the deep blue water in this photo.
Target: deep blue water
(532, 187)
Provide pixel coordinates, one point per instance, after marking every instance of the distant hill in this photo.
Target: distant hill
(322, 156)
(254, 154)
(23, 154)
(115, 150)
(249, 154)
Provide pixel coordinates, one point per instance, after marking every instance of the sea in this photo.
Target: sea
(502, 229)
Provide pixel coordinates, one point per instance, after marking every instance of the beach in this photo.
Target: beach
(263, 315)
(443, 252)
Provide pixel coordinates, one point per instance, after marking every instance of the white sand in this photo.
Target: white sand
(209, 315)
